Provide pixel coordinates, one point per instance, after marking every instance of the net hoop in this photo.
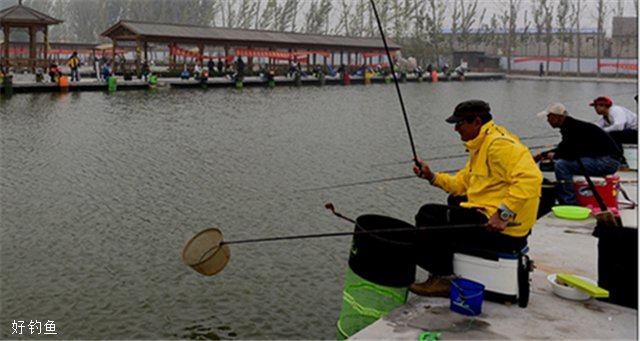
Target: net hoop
(206, 253)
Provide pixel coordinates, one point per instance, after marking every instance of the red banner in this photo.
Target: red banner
(262, 53)
(620, 66)
(186, 53)
(308, 53)
(377, 54)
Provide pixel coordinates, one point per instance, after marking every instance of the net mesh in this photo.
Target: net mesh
(364, 302)
(205, 252)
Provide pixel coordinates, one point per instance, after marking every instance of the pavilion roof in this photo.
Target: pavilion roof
(20, 14)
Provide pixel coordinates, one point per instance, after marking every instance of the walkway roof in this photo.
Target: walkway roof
(187, 34)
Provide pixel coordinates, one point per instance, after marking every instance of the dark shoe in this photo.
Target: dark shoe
(435, 286)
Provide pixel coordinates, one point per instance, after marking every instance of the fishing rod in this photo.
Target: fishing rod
(395, 81)
(218, 260)
(212, 260)
(357, 232)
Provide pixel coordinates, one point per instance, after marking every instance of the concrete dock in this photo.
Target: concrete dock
(556, 246)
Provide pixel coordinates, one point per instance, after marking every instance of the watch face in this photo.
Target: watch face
(505, 215)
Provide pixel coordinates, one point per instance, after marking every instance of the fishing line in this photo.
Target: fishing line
(592, 97)
(534, 137)
(368, 182)
(403, 177)
(395, 81)
(455, 156)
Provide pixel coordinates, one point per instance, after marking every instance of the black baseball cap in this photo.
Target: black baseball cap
(470, 108)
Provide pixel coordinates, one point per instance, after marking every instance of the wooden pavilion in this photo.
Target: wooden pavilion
(245, 43)
(21, 16)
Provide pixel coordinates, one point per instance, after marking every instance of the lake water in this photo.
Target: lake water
(101, 192)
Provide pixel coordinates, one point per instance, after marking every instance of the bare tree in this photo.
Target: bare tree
(525, 37)
(357, 23)
(246, 14)
(510, 18)
(545, 12)
(489, 36)
(434, 22)
(562, 14)
(317, 17)
(345, 16)
(455, 22)
(468, 13)
(229, 14)
(268, 16)
(602, 8)
(402, 10)
(257, 20)
(576, 7)
(416, 41)
(372, 28)
(286, 15)
(619, 12)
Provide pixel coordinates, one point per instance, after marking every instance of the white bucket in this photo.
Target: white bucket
(630, 152)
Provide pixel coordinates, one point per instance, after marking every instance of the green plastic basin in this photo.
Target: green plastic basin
(571, 212)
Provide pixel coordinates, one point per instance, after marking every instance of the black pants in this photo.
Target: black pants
(434, 249)
(626, 137)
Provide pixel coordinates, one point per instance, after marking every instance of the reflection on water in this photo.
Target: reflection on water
(101, 192)
(202, 331)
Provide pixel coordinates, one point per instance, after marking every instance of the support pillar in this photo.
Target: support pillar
(138, 57)
(32, 48)
(46, 46)
(7, 32)
(113, 56)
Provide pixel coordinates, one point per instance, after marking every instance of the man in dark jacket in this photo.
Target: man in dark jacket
(582, 141)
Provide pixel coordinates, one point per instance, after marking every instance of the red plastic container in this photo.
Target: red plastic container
(607, 188)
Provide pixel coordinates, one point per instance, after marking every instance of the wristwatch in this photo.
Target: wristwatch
(504, 215)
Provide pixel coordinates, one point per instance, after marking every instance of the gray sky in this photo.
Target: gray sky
(589, 8)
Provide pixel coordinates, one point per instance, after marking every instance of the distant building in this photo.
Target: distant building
(624, 37)
(527, 43)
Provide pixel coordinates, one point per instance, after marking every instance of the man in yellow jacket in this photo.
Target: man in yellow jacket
(501, 183)
(74, 63)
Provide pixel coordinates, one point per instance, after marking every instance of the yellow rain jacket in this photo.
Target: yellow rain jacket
(500, 170)
(73, 62)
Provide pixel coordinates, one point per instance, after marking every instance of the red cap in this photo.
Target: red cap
(604, 100)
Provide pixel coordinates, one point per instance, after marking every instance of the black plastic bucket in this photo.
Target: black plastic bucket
(618, 264)
(384, 258)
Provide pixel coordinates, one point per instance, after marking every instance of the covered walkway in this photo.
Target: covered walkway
(193, 41)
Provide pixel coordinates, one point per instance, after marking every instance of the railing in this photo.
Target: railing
(25, 63)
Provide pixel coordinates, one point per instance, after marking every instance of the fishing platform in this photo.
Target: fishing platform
(21, 85)
(556, 246)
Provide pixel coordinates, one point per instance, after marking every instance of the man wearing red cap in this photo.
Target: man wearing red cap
(620, 122)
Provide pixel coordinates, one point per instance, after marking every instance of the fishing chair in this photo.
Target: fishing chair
(506, 276)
